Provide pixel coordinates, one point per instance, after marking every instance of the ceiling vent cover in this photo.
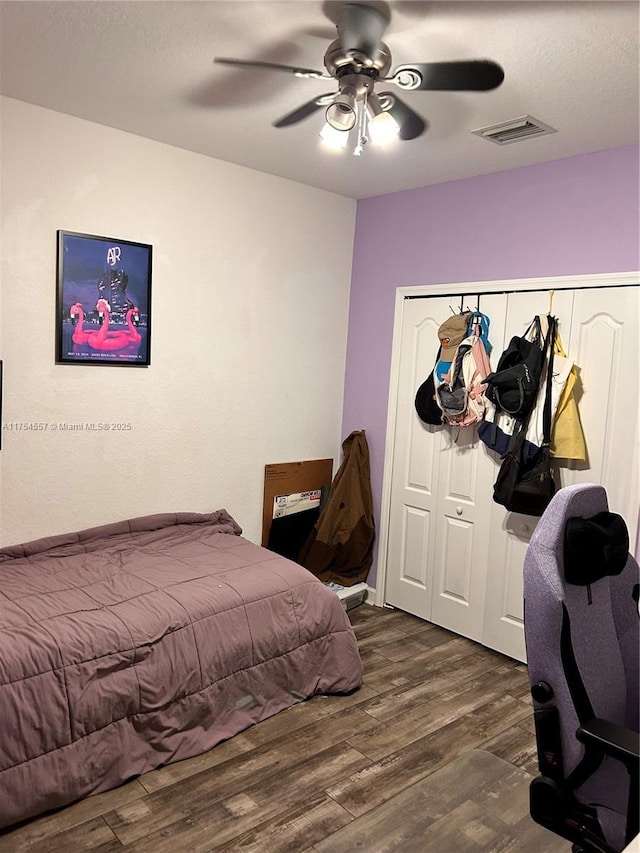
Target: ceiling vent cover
(514, 130)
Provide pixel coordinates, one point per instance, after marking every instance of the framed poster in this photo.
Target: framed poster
(103, 304)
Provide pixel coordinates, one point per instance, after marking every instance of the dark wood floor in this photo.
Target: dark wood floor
(293, 782)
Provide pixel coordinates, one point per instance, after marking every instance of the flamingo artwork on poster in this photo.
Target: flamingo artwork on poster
(103, 308)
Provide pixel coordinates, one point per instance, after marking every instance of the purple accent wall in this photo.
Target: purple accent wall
(574, 216)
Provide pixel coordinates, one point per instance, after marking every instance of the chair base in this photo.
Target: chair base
(554, 807)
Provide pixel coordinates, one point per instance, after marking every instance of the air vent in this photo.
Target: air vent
(514, 130)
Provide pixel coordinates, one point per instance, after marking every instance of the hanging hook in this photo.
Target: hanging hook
(462, 304)
(477, 316)
(551, 292)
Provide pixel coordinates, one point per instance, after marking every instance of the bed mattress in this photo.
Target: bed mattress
(137, 644)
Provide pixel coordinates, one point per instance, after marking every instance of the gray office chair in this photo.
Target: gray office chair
(581, 630)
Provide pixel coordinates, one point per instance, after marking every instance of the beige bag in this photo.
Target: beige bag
(567, 436)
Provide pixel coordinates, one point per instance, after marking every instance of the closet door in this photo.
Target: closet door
(604, 344)
(463, 511)
(416, 454)
(510, 532)
(438, 531)
(454, 556)
(599, 332)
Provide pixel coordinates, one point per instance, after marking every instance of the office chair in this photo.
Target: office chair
(581, 631)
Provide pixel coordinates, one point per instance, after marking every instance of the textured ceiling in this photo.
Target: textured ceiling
(146, 67)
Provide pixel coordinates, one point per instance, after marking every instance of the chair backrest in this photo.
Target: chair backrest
(582, 634)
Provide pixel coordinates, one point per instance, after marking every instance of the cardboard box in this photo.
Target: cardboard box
(289, 478)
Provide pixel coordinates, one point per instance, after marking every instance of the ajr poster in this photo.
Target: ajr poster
(103, 313)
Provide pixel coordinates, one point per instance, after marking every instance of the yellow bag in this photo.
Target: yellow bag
(567, 436)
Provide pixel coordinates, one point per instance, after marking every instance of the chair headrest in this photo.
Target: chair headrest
(595, 547)
(582, 500)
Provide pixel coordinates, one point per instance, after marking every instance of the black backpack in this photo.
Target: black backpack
(527, 487)
(425, 402)
(513, 386)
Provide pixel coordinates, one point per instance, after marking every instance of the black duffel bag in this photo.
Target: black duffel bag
(513, 386)
(527, 487)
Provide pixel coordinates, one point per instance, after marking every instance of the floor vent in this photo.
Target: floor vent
(514, 130)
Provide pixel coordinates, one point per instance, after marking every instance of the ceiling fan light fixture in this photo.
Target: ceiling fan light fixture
(382, 127)
(332, 138)
(342, 114)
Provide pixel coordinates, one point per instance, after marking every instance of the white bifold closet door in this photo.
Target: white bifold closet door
(454, 557)
(440, 507)
(503, 627)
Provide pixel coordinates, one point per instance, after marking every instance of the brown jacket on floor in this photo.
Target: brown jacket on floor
(340, 547)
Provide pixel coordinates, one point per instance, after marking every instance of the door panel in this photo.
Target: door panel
(415, 464)
(604, 343)
(503, 626)
(457, 549)
(443, 482)
(461, 535)
(415, 543)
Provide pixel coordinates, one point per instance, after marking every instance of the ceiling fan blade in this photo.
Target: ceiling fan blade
(361, 27)
(411, 124)
(305, 110)
(477, 75)
(273, 66)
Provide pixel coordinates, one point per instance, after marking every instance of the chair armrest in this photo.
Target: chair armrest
(614, 740)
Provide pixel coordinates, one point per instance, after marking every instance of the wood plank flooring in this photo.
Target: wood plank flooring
(341, 773)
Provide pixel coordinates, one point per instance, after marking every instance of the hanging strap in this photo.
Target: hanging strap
(536, 334)
(546, 414)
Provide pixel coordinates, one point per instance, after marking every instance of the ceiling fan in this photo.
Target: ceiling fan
(359, 60)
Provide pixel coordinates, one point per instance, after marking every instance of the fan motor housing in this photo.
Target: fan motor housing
(356, 84)
(337, 60)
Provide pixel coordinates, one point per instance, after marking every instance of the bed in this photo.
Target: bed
(137, 644)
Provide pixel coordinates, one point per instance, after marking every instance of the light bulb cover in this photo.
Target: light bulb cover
(332, 138)
(383, 128)
(342, 114)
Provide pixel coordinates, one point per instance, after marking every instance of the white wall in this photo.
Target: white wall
(250, 298)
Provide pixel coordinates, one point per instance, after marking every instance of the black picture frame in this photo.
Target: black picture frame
(103, 301)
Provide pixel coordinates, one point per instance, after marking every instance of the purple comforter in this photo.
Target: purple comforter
(141, 643)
